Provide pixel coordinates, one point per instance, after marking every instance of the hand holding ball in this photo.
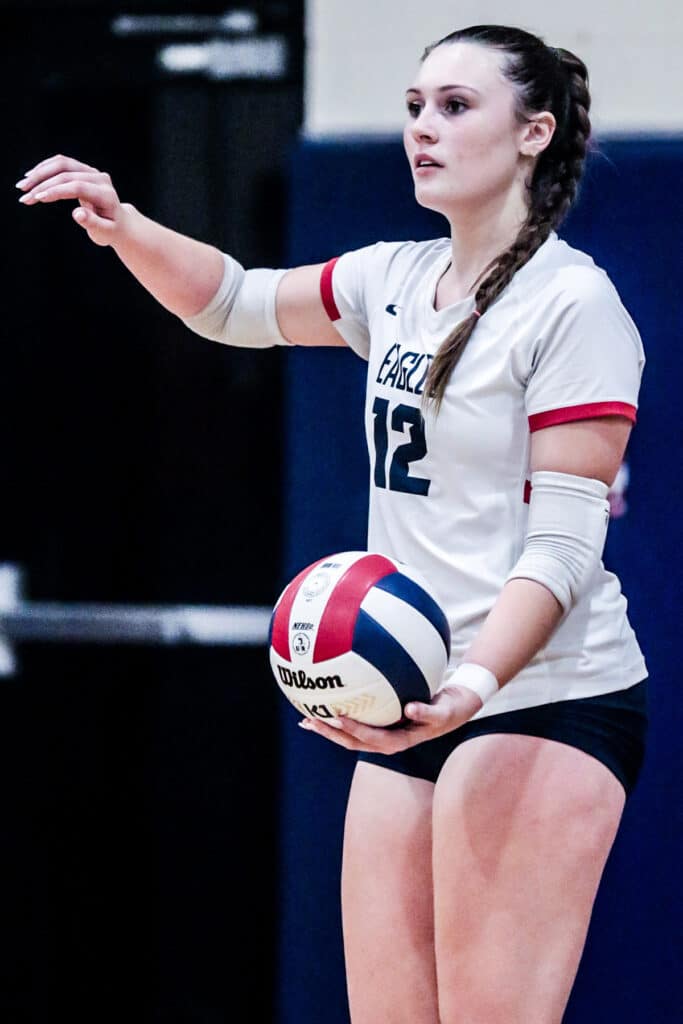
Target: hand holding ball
(358, 634)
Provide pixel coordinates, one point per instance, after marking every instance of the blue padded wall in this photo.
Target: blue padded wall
(629, 217)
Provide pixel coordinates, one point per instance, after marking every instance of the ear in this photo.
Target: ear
(537, 133)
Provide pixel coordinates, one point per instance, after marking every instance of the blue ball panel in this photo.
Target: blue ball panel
(407, 590)
(372, 642)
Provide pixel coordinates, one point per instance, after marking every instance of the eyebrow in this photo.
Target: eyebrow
(445, 88)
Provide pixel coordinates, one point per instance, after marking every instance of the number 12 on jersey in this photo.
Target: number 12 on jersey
(400, 478)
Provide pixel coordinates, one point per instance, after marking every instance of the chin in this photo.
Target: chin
(433, 201)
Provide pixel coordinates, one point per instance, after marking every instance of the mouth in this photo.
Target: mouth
(423, 164)
(424, 160)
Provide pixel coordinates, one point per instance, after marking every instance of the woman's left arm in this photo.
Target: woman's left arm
(526, 612)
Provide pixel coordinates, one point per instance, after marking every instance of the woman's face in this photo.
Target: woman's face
(461, 115)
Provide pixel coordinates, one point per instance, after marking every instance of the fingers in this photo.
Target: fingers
(440, 714)
(51, 166)
(98, 228)
(418, 712)
(100, 212)
(352, 735)
(460, 701)
(78, 188)
(449, 709)
(334, 733)
(29, 184)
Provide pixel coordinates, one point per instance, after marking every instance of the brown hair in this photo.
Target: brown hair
(544, 78)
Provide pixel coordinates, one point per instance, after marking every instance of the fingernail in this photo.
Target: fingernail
(305, 724)
(22, 183)
(22, 199)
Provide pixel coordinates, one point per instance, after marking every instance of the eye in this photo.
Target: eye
(451, 104)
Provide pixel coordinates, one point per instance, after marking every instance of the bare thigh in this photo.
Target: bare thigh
(387, 899)
(522, 827)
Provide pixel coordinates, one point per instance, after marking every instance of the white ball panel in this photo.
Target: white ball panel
(347, 685)
(413, 631)
(422, 581)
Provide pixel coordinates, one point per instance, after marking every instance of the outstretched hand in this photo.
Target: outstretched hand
(100, 211)
(452, 706)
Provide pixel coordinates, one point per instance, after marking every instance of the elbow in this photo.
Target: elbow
(566, 532)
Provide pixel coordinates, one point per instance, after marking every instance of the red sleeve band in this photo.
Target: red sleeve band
(326, 292)
(581, 412)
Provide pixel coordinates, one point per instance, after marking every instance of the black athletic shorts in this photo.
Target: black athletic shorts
(611, 727)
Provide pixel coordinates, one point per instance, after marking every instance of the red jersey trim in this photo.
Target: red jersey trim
(326, 292)
(581, 412)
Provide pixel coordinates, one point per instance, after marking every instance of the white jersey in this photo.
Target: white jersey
(449, 493)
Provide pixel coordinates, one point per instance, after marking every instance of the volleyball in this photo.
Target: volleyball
(358, 634)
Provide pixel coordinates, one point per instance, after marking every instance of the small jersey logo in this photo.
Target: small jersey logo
(391, 309)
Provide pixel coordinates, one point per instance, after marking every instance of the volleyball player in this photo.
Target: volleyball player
(503, 376)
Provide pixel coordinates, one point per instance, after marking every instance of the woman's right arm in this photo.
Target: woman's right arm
(182, 273)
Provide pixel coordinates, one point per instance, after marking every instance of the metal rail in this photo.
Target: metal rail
(61, 622)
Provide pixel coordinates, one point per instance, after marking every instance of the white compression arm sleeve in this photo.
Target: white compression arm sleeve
(568, 519)
(242, 312)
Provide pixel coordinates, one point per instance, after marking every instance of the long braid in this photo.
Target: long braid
(553, 189)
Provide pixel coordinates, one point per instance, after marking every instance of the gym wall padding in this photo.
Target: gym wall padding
(349, 193)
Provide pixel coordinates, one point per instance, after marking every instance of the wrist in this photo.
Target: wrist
(124, 229)
(474, 678)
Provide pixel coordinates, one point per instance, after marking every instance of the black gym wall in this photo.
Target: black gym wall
(141, 464)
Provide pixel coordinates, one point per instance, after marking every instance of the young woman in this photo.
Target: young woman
(503, 374)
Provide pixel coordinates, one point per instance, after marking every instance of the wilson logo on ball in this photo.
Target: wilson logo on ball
(375, 624)
(303, 682)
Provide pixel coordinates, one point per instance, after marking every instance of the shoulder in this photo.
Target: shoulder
(581, 354)
(364, 276)
(562, 289)
(563, 276)
(399, 255)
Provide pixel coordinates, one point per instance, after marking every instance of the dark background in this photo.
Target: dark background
(138, 864)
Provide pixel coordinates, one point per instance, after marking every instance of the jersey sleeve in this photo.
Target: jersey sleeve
(351, 287)
(588, 357)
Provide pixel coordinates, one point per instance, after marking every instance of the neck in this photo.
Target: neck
(478, 236)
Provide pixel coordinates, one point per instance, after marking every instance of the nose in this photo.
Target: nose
(423, 126)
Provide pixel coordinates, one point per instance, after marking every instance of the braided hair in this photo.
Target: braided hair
(544, 78)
